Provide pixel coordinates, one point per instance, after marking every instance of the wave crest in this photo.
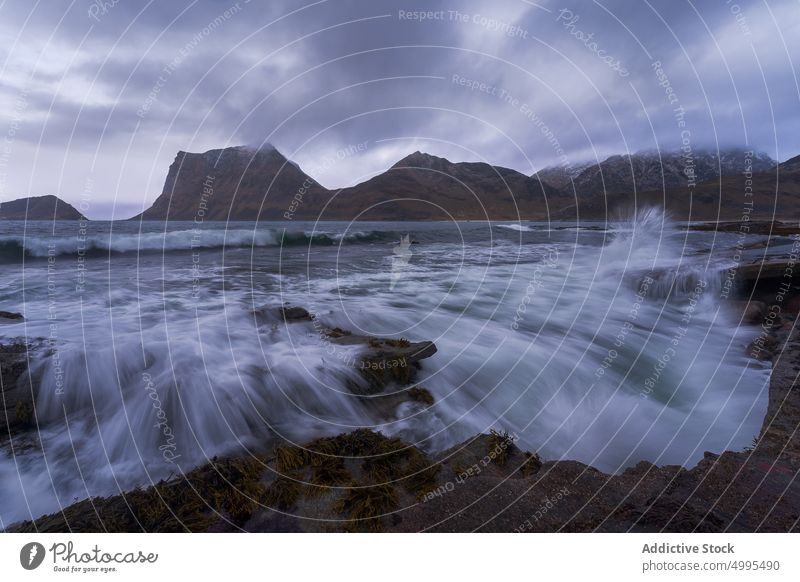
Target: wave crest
(15, 248)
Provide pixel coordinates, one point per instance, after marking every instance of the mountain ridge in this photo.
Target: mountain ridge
(260, 183)
(47, 207)
(653, 169)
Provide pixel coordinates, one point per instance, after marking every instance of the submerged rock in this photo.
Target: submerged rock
(17, 395)
(384, 362)
(421, 395)
(285, 313)
(357, 481)
(749, 311)
(364, 480)
(11, 317)
(290, 314)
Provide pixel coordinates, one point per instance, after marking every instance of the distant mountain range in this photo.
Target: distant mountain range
(773, 194)
(243, 183)
(38, 208)
(261, 184)
(653, 170)
(426, 187)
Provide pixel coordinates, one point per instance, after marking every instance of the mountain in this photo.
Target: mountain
(236, 183)
(791, 165)
(653, 170)
(561, 177)
(38, 208)
(240, 183)
(766, 195)
(426, 187)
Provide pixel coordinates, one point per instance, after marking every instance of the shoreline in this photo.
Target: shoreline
(364, 481)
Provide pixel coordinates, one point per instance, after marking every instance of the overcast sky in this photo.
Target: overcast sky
(98, 96)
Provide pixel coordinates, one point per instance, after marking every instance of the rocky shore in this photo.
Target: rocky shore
(366, 481)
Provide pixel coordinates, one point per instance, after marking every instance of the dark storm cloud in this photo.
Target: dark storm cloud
(112, 90)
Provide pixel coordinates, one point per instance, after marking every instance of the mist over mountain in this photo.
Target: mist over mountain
(652, 169)
(246, 183)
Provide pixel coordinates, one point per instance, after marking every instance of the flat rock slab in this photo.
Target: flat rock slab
(382, 362)
(11, 317)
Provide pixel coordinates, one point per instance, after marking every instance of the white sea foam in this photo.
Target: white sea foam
(139, 353)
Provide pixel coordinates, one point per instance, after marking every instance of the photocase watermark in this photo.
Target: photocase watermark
(297, 199)
(739, 16)
(536, 282)
(521, 106)
(95, 560)
(324, 337)
(744, 227)
(197, 233)
(349, 357)
(341, 154)
(20, 105)
(383, 364)
(31, 555)
(169, 447)
(500, 449)
(402, 256)
(621, 337)
(677, 337)
(328, 162)
(568, 20)
(56, 367)
(183, 53)
(99, 8)
(679, 115)
(547, 505)
(81, 237)
(774, 310)
(506, 28)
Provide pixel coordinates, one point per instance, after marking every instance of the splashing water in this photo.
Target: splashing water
(606, 347)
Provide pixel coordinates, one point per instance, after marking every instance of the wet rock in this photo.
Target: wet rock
(336, 332)
(17, 398)
(760, 227)
(763, 348)
(348, 482)
(11, 317)
(780, 433)
(364, 480)
(421, 395)
(764, 279)
(749, 311)
(290, 314)
(385, 362)
(284, 313)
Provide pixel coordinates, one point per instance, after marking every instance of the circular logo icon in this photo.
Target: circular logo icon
(31, 555)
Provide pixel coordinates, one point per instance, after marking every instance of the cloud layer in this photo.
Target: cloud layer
(98, 96)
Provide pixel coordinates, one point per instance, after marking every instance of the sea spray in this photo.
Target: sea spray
(230, 385)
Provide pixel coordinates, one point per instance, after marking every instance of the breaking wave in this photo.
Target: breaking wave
(15, 248)
(517, 227)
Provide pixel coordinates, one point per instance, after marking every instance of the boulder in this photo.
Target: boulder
(383, 362)
(11, 317)
(290, 314)
(17, 400)
(285, 313)
(748, 311)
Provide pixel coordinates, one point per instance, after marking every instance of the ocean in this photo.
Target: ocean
(603, 343)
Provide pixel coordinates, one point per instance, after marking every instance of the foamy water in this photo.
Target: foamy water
(604, 346)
